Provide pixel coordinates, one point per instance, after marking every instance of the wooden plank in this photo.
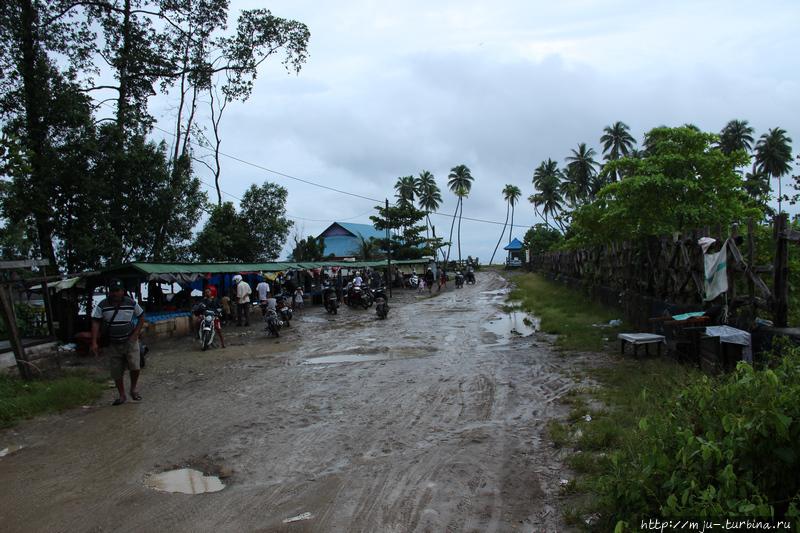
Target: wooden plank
(7, 311)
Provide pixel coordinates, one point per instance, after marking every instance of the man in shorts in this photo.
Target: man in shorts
(112, 319)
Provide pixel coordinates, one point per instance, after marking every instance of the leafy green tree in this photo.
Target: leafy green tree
(511, 194)
(684, 182)
(406, 240)
(774, 156)
(224, 237)
(617, 142)
(460, 183)
(308, 249)
(541, 238)
(263, 211)
(367, 249)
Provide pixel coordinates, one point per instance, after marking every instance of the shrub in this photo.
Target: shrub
(728, 447)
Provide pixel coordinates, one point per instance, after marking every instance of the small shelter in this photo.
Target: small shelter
(343, 239)
(516, 253)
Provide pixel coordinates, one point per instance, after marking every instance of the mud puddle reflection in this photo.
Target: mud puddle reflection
(365, 355)
(346, 358)
(185, 481)
(513, 324)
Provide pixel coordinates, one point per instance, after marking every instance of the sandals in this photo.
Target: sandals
(136, 397)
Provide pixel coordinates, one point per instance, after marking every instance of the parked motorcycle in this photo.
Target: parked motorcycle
(330, 300)
(273, 322)
(209, 322)
(284, 311)
(381, 304)
(412, 282)
(459, 280)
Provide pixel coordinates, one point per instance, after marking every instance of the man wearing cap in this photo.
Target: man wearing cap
(243, 292)
(113, 318)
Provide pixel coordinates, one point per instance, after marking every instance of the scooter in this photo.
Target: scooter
(459, 280)
(413, 281)
(273, 322)
(381, 304)
(330, 300)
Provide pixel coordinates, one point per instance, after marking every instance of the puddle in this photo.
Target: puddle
(348, 358)
(511, 325)
(10, 450)
(313, 319)
(185, 481)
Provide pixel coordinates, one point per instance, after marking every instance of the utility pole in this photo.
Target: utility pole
(388, 252)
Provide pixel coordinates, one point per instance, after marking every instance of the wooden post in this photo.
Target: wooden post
(7, 310)
(751, 286)
(781, 272)
(728, 257)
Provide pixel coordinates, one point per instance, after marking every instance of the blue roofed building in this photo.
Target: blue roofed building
(516, 253)
(342, 239)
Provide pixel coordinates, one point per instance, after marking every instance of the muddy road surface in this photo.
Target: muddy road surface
(432, 420)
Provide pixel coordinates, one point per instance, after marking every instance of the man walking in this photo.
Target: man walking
(243, 292)
(263, 291)
(112, 319)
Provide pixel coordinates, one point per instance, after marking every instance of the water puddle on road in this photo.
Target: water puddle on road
(346, 358)
(185, 481)
(514, 324)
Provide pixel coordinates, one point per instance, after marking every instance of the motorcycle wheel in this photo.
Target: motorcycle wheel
(206, 340)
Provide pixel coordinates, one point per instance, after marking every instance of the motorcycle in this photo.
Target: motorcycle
(330, 300)
(381, 304)
(413, 282)
(359, 296)
(459, 280)
(284, 311)
(470, 277)
(209, 322)
(273, 322)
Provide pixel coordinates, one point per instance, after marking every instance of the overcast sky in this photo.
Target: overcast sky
(394, 88)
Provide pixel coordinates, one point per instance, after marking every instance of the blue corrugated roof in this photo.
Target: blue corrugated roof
(366, 230)
(514, 245)
(341, 246)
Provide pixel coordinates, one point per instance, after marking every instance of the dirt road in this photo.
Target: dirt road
(427, 422)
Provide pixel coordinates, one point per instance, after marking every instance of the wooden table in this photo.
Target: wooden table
(640, 338)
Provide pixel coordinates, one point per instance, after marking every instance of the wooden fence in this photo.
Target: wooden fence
(670, 270)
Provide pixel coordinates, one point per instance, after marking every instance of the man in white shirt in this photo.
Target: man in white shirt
(263, 291)
(357, 281)
(243, 292)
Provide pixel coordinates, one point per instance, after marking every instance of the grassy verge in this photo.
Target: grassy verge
(566, 313)
(25, 399)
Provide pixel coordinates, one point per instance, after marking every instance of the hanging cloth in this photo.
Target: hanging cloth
(716, 273)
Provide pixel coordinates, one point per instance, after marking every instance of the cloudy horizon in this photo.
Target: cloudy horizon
(390, 91)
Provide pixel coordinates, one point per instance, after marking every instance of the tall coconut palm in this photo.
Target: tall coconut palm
(460, 182)
(429, 198)
(617, 142)
(736, 135)
(547, 180)
(406, 188)
(774, 156)
(582, 172)
(511, 194)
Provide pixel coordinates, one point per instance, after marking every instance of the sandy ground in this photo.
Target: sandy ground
(439, 426)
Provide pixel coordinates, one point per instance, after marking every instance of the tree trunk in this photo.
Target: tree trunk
(461, 212)
(37, 134)
(510, 231)
(122, 71)
(496, 246)
(452, 225)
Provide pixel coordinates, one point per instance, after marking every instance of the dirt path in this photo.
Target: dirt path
(438, 427)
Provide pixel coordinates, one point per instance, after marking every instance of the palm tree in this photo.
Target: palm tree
(366, 248)
(406, 188)
(511, 194)
(582, 172)
(460, 182)
(774, 155)
(429, 198)
(617, 142)
(547, 180)
(736, 135)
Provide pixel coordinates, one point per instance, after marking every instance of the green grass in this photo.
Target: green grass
(25, 399)
(565, 312)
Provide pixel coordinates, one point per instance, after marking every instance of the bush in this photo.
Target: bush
(728, 447)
